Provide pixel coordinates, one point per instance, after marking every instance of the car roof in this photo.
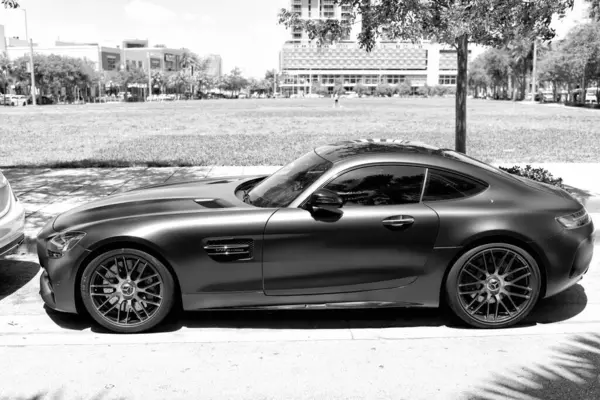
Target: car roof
(352, 148)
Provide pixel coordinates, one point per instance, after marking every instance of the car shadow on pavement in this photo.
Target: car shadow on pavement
(571, 371)
(15, 274)
(559, 308)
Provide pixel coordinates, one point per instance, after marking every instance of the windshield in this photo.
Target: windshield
(281, 188)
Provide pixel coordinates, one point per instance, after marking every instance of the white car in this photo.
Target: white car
(18, 101)
(12, 219)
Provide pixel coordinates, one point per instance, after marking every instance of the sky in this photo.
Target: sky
(244, 32)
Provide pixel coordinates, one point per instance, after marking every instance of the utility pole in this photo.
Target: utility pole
(33, 94)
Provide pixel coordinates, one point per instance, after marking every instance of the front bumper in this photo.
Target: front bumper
(12, 228)
(57, 282)
(12, 246)
(567, 257)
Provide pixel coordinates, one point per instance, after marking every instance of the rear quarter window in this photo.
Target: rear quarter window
(443, 185)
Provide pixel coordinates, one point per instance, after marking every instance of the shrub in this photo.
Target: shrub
(536, 174)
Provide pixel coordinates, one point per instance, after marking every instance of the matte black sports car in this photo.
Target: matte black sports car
(355, 224)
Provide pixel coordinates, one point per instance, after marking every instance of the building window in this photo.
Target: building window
(447, 80)
(112, 63)
(139, 64)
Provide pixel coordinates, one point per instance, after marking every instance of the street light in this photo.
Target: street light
(30, 41)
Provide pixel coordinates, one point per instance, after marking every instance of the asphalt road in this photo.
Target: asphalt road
(387, 354)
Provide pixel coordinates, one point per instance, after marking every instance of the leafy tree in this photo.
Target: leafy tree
(478, 79)
(158, 81)
(203, 82)
(339, 87)
(404, 89)
(424, 90)
(10, 3)
(318, 88)
(234, 82)
(269, 80)
(583, 48)
(497, 66)
(361, 89)
(384, 90)
(456, 23)
(179, 80)
(555, 67)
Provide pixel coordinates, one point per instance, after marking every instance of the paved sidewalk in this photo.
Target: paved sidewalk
(46, 193)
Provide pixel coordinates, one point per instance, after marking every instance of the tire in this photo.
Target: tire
(491, 298)
(143, 292)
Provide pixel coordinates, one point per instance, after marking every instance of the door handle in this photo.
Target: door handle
(395, 222)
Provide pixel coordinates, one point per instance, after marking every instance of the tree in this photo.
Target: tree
(455, 23)
(555, 67)
(361, 89)
(404, 89)
(478, 79)
(269, 80)
(178, 80)
(318, 88)
(339, 87)
(10, 3)
(384, 90)
(497, 66)
(583, 48)
(235, 82)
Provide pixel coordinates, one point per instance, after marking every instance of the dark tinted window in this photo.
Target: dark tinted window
(447, 186)
(380, 185)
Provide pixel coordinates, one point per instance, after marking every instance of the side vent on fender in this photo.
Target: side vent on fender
(226, 250)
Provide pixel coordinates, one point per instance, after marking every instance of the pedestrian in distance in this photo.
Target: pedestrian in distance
(336, 100)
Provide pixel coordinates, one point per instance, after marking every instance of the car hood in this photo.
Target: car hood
(201, 195)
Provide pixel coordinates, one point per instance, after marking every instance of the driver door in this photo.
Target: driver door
(381, 238)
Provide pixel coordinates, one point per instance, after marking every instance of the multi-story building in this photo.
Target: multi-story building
(215, 65)
(129, 53)
(302, 63)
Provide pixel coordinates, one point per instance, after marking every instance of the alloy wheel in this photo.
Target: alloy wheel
(496, 286)
(126, 290)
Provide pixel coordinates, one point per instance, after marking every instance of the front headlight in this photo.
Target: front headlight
(575, 220)
(3, 181)
(63, 242)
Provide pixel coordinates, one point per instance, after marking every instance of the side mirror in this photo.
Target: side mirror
(327, 200)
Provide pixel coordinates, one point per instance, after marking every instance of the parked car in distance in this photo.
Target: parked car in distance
(357, 224)
(18, 100)
(12, 219)
(41, 100)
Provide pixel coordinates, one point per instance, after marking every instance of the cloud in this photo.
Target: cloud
(145, 11)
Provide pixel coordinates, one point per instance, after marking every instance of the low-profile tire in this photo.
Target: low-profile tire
(130, 299)
(493, 286)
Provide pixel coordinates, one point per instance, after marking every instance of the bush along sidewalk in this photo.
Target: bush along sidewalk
(536, 174)
(544, 176)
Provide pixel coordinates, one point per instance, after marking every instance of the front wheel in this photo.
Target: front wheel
(127, 290)
(493, 286)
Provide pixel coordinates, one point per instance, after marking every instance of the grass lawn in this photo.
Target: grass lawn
(272, 132)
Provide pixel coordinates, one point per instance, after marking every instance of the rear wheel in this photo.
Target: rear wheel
(127, 290)
(493, 286)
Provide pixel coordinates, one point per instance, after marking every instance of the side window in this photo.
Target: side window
(443, 185)
(380, 185)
